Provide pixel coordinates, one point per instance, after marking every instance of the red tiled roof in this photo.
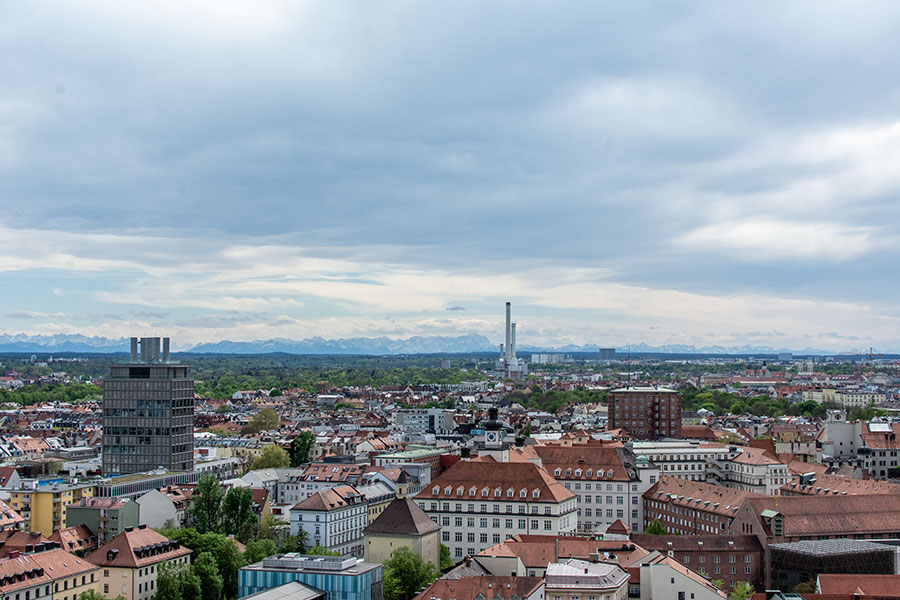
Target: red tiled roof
(138, 547)
(490, 587)
(487, 474)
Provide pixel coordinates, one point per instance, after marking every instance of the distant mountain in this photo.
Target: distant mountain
(382, 345)
(61, 343)
(471, 342)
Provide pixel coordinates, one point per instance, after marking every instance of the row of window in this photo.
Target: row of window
(485, 492)
(445, 507)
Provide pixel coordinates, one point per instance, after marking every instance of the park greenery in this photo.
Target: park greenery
(552, 400)
(272, 457)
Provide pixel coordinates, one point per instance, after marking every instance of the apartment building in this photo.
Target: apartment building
(301, 484)
(751, 470)
(52, 573)
(480, 502)
(105, 517)
(685, 459)
(607, 479)
(333, 518)
(647, 413)
(44, 506)
(420, 421)
(131, 562)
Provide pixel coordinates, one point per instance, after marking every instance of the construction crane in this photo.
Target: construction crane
(872, 363)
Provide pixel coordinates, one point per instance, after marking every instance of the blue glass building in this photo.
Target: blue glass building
(340, 577)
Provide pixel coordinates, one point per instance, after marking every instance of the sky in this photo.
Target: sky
(700, 173)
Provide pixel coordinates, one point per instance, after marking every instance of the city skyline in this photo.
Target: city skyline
(700, 175)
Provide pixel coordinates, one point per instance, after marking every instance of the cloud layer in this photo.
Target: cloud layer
(697, 174)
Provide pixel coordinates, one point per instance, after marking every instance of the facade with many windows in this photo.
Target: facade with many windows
(647, 413)
(607, 479)
(480, 502)
(333, 518)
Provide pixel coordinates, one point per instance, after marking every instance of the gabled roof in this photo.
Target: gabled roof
(402, 517)
(329, 499)
(137, 547)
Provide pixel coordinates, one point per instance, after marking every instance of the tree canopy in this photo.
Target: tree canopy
(405, 574)
(272, 457)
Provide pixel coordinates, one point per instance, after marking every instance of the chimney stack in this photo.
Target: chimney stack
(512, 359)
(508, 333)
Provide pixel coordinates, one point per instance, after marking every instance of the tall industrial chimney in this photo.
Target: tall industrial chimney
(512, 360)
(508, 334)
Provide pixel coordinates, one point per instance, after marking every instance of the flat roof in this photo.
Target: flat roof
(832, 547)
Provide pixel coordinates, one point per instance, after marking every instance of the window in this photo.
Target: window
(470, 537)
(458, 536)
(483, 538)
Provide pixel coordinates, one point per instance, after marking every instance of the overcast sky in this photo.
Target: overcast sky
(697, 173)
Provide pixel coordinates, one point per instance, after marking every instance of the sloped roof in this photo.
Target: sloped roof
(488, 587)
(833, 515)
(487, 474)
(328, 499)
(402, 517)
(137, 547)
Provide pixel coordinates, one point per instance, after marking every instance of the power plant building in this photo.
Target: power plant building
(508, 364)
(148, 412)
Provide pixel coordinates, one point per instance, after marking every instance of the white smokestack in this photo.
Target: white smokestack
(508, 333)
(513, 341)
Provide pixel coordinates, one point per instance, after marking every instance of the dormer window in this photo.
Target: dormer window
(471, 491)
(510, 492)
(497, 493)
(484, 492)
(536, 494)
(609, 473)
(577, 472)
(557, 472)
(589, 472)
(523, 493)
(568, 472)
(448, 490)
(436, 491)
(459, 491)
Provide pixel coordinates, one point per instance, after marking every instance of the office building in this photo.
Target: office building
(479, 503)
(148, 412)
(340, 577)
(647, 413)
(333, 518)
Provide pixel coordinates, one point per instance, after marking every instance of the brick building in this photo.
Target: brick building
(647, 413)
(690, 507)
(732, 558)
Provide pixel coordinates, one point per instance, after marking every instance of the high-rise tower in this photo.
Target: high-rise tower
(148, 412)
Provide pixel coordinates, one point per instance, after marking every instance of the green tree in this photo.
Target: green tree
(405, 574)
(207, 509)
(318, 550)
(228, 557)
(260, 549)
(272, 457)
(264, 420)
(446, 560)
(239, 519)
(294, 543)
(95, 595)
(742, 591)
(177, 582)
(654, 527)
(301, 447)
(207, 570)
